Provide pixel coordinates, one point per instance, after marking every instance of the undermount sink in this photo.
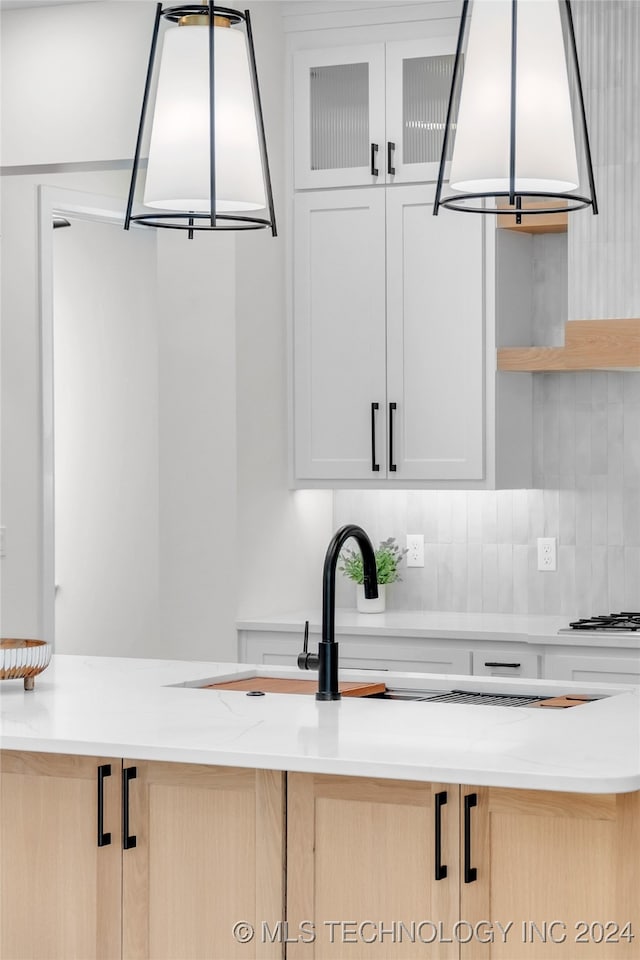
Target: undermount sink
(263, 682)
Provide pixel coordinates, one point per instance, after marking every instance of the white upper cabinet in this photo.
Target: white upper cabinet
(388, 338)
(418, 83)
(395, 314)
(339, 102)
(339, 335)
(435, 339)
(370, 114)
(395, 319)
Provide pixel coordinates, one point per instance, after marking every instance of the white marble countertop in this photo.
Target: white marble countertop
(524, 628)
(129, 708)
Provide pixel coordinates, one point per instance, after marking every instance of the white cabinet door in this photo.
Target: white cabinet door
(419, 76)
(338, 116)
(339, 335)
(593, 669)
(435, 339)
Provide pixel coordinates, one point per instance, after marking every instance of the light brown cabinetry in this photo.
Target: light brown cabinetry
(60, 893)
(208, 854)
(191, 851)
(365, 850)
(568, 863)
(376, 868)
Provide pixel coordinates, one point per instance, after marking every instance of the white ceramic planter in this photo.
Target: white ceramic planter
(370, 606)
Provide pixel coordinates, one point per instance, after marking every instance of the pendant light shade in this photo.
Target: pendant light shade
(510, 134)
(207, 166)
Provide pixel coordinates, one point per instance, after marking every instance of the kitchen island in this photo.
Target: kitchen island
(422, 819)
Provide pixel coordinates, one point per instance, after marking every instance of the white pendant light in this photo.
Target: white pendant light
(207, 166)
(513, 136)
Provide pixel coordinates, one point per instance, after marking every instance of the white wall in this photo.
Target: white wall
(73, 79)
(20, 407)
(106, 439)
(197, 467)
(604, 251)
(282, 534)
(230, 531)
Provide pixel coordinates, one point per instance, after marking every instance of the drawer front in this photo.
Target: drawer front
(359, 653)
(590, 669)
(505, 662)
(407, 657)
(269, 648)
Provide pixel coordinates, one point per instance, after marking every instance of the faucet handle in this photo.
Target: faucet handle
(306, 660)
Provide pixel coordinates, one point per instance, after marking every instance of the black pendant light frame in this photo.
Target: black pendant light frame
(211, 220)
(574, 201)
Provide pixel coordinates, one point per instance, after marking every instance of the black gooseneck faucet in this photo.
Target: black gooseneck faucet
(326, 660)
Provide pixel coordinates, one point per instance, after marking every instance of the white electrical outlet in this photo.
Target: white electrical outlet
(415, 550)
(547, 558)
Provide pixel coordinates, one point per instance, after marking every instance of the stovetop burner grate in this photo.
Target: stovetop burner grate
(624, 622)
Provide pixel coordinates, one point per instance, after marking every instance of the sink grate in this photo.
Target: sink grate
(488, 699)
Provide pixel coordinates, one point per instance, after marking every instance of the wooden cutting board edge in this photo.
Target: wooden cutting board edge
(348, 688)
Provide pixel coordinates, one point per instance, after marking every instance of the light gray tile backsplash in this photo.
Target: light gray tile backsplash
(480, 548)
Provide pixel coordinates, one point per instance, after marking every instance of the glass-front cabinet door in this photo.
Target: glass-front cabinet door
(339, 107)
(371, 114)
(419, 76)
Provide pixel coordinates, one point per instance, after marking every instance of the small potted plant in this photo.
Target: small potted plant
(388, 557)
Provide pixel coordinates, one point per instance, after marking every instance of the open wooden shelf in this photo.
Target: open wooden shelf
(533, 223)
(589, 345)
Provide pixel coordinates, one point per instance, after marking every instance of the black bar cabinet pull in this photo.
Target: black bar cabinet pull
(470, 873)
(391, 170)
(374, 465)
(374, 154)
(128, 841)
(392, 408)
(441, 868)
(491, 663)
(104, 839)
